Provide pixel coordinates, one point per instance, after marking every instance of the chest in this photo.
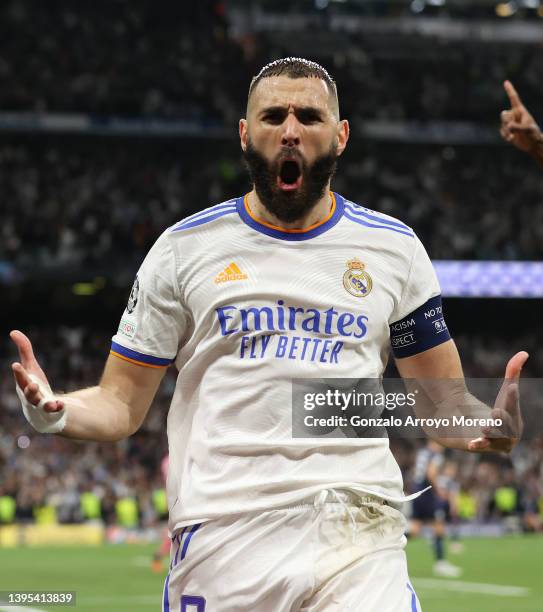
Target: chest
(340, 282)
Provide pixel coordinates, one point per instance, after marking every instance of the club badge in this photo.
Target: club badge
(356, 280)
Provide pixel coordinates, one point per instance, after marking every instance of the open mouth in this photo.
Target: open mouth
(290, 175)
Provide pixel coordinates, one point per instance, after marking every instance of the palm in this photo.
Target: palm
(29, 366)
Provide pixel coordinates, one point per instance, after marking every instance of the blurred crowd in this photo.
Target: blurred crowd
(492, 490)
(123, 58)
(192, 61)
(73, 203)
(51, 478)
(82, 201)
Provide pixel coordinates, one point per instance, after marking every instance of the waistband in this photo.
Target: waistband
(343, 497)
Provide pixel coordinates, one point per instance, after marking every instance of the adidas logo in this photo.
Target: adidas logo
(232, 273)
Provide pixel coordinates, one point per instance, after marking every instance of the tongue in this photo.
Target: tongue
(289, 186)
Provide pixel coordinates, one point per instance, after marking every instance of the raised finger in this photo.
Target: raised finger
(512, 94)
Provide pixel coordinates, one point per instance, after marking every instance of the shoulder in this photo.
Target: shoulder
(204, 217)
(371, 219)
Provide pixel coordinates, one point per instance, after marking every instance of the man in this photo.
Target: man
(519, 127)
(434, 507)
(289, 281)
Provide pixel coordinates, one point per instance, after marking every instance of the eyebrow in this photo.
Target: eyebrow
(304, 110)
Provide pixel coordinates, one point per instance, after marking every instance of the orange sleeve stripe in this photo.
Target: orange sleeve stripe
(140, 363)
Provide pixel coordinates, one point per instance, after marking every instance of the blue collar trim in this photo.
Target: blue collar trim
(291, 236)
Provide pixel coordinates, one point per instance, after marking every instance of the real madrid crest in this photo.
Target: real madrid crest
(356, 280)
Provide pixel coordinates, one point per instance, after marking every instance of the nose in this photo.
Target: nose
(291, 131)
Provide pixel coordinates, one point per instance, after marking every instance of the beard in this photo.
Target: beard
(290, 206)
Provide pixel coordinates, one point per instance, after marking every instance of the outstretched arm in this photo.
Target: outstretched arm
(110, 411)
(438, 372)
(519, 128)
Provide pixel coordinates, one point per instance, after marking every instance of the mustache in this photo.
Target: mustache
(288, 154)
(289, 207)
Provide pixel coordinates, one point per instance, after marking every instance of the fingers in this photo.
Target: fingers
(506, 419)
(24, 346)
(514, 366)
(512, 408)
(502, 438)
(20, 375)
(506, 134)
(31, 390)
(512, 94)
(506, 116)
(479, 444)
(53, 406)
(511, 125)
(531, 130)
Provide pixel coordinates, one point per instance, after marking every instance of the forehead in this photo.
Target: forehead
(284, 91)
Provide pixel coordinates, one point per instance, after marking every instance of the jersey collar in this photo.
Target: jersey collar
(292, 235)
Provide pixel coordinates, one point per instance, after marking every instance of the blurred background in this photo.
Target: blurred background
(118, 118)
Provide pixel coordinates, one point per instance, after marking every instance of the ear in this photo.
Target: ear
(243, 134)
(342, 135)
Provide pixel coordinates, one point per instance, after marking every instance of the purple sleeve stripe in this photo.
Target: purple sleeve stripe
(142, 357)
(360, 211)
(206, 219)
(351, 216)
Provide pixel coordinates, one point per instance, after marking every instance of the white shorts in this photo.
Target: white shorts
(340, 553)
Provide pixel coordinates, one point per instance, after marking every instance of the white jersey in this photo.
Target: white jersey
(242, 308)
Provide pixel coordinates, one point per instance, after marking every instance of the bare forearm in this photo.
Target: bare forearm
(460, 415)
(97, 414)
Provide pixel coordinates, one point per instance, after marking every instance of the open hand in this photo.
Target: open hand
(507, 409)
(29, 365)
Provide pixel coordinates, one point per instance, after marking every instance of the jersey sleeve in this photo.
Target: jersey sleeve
(154, 320)
(417, 323)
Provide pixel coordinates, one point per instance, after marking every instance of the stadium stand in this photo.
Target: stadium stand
(95, 203)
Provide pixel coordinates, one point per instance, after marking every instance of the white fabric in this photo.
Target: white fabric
(339, 556)
(230, 423)
(44, 422)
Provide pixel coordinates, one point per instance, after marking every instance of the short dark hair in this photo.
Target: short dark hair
(295, 68)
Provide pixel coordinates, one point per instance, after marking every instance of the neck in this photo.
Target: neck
(319, 213)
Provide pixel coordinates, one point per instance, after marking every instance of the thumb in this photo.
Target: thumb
(24, 346)
(514, 366)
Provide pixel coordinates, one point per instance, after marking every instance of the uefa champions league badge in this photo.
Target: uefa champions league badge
(133, 299)
(356, 280)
